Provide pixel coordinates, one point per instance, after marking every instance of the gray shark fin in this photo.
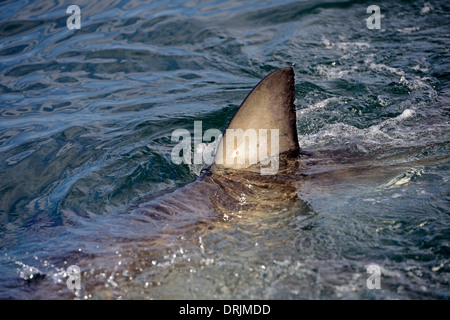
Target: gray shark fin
(264, 125)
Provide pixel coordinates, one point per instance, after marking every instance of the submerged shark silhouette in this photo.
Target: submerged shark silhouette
(225, 191)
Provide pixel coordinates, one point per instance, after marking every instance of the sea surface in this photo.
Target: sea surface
(86, 118)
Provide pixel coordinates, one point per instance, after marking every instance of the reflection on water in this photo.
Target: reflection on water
(86, 177)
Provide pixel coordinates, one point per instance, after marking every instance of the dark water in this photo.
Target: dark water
(86, 118)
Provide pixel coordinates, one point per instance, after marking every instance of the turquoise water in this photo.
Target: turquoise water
(86, 118)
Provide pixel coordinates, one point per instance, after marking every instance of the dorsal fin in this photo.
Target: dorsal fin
(270, 105)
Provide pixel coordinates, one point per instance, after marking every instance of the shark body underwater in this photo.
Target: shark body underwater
(230, 188)
(147, 231)
(226, 195)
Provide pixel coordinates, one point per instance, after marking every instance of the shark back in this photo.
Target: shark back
(264, 125)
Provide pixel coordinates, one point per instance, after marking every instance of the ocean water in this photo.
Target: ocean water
(86, 117)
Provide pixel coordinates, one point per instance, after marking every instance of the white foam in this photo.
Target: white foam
(380, 67)
(402, 179)
(419, 68)
(202, 149)
(331, 73)
(327, 43)
(332, 134)
(426, 8)
(352, 46)
(418, 84)
(408, 30)
(372, 137)
(320, 105)
(414, 84)
(406, 114)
